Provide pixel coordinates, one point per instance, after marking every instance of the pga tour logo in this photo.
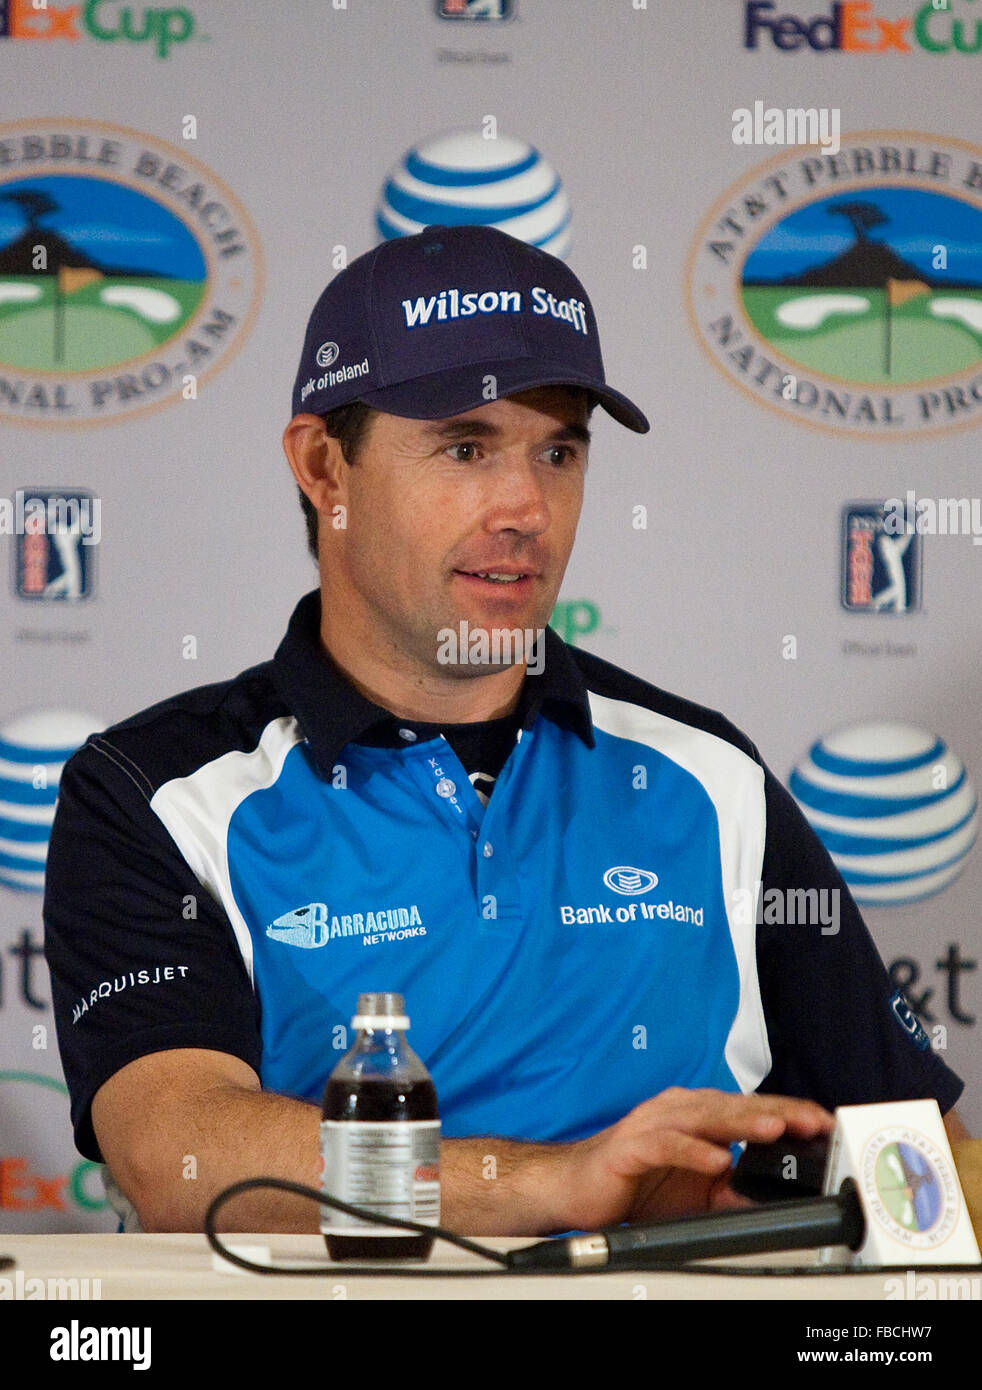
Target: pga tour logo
(327, 354)
(880, 570)
(474, 9)
(624, 879)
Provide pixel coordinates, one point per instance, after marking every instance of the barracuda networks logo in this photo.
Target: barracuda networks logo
(129, 274)
(893, 806)
(845, 290)
(478, 177)
(313, 925)
(105, 20)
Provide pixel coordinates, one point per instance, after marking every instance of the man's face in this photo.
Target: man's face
(431, 504)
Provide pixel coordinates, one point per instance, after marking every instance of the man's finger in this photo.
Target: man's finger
(730, 1118)
(667, 1148)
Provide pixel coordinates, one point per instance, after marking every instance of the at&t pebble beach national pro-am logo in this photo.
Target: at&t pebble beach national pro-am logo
(845, 290)
(910, 1187)
(129, 274)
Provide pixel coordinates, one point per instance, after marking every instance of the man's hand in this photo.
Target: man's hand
(670, 1155)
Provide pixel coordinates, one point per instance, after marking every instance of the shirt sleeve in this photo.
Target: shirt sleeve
(840, 1032)
(142, 957)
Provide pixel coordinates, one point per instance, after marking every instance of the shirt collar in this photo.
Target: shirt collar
(332, 713)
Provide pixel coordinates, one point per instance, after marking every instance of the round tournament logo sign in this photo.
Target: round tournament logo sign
(463, 176)
(129, 273)
(845, 290)
(871, 793)
(909, 1187)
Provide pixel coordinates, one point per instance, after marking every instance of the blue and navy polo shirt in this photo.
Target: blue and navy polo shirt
(233, 867)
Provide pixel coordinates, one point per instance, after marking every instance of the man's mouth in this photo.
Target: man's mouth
(509, 578)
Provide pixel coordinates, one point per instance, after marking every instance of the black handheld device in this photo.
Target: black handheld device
(782, 1171)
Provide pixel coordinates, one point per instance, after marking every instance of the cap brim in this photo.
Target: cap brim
(442, 394)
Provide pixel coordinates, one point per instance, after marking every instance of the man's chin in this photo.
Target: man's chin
(476, 649)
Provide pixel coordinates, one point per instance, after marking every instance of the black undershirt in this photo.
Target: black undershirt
(482, 747)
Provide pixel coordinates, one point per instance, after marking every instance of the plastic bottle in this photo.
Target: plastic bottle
(380, 1138)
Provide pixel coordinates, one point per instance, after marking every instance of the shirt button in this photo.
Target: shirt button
(408, 735)
(445, 787)
(488, 849)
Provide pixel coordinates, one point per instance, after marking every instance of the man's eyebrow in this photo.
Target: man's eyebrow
(460, 429)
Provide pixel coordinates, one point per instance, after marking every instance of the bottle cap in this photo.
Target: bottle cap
(380, 1011)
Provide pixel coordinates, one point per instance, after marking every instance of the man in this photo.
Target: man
(544, 854)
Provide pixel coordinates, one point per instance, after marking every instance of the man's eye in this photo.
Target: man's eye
(563, 451)
(467, 457)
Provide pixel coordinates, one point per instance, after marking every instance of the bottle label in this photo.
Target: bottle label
(391, 1167)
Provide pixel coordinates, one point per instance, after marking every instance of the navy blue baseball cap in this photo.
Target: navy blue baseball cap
(431, 325)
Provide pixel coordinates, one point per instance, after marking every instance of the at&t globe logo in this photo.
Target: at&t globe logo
(465, 177)
(34, 748)
(893, 806)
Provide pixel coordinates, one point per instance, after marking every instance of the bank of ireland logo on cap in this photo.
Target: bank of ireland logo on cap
(893, 806)
(463, 177)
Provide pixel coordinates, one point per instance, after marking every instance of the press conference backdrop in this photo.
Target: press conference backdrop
(802, 324)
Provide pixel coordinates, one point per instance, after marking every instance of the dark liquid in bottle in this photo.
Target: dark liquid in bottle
(379, 1100)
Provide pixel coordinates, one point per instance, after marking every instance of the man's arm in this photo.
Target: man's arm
(669, 1156)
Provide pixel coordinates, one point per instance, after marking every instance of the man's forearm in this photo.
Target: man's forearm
(488, 1186)
(501, 1187)
(231, 1134)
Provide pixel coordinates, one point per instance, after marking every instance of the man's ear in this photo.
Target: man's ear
(316, 460)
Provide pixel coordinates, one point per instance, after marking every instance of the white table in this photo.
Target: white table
(180, 1267)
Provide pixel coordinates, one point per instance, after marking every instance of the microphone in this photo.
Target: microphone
(801, 1225)
(892, 1197)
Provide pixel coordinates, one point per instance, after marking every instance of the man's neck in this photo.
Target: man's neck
(421, 695)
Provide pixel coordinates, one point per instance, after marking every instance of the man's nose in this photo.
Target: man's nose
(516, 500)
